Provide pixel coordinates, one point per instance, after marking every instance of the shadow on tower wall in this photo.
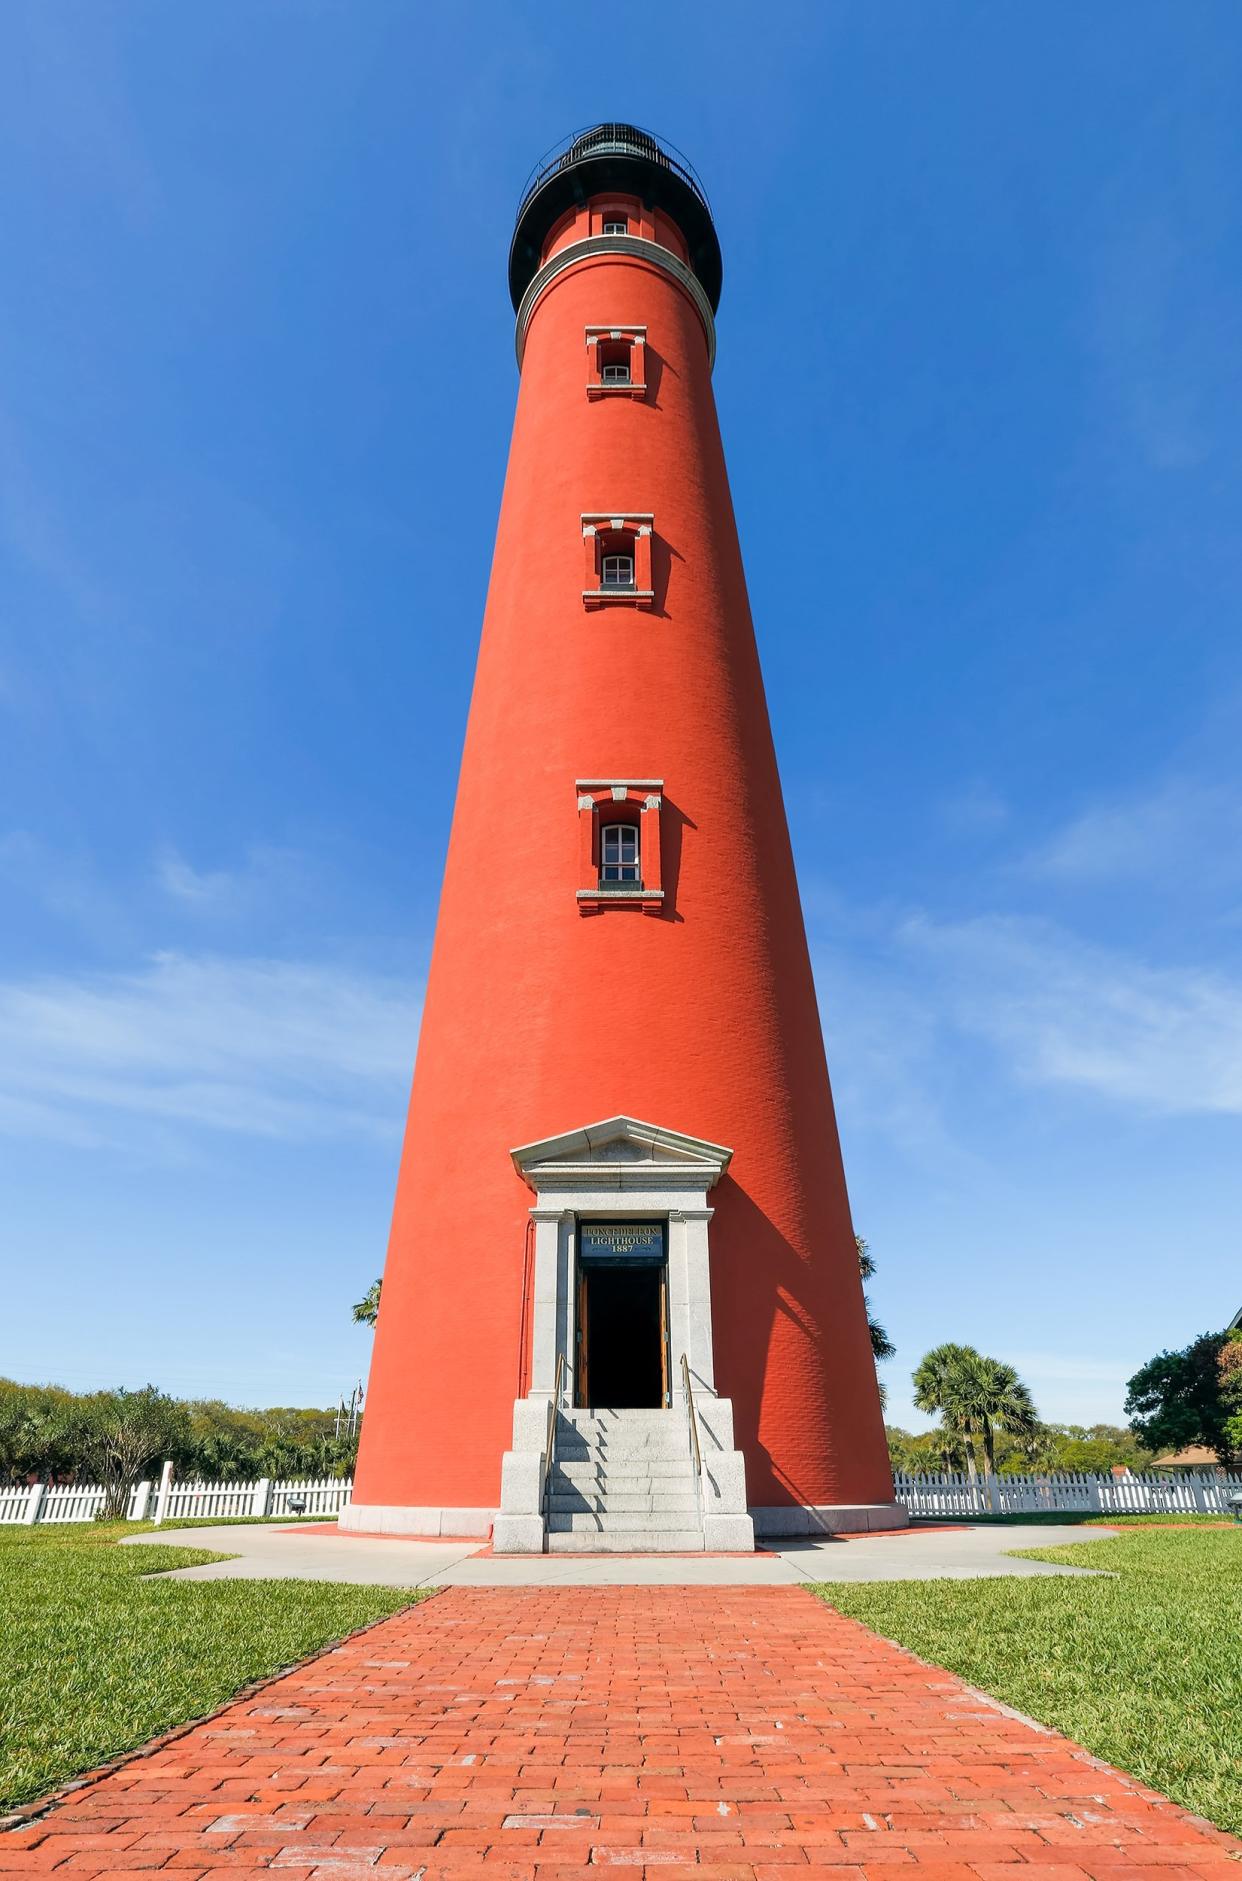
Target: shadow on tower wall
(758, 1281)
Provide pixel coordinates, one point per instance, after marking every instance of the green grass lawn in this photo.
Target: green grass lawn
(222, 1521)
(1145, 1669)
(94, 1660)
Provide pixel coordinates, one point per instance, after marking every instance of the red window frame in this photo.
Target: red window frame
(604, 534)
(598, 342)
(603, 802)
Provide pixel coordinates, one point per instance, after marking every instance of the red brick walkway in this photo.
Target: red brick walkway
(531, 1733)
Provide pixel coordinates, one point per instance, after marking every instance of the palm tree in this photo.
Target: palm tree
(942, 1383)
(366, 1310)
(995, 1398)
(882, 1346)
(975, 1395)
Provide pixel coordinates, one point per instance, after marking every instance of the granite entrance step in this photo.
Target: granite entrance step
(623, 1482)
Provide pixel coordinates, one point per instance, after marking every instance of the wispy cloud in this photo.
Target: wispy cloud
(1162, 347)
(267, 874)
(265, 1048)
(1076, 1387)
(1063, 1011)
(978, 810)
(67, 884)
(38, 536)
(881, 1036)
(1070, 1367)
(87, 129)
(1181, 826)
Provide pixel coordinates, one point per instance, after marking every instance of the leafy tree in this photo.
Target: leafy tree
(1039, 1450)
(1094, 1450)
(226, 1443)
(38, 1432)
(123, 1432)
(304, 1443)
(1229, 1371)
(1176, 1399)
(366, 1310)
(931, 1453)
(1027, 1452)
(51, 1435)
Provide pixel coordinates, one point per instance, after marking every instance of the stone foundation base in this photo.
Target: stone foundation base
(830, 1518)
(524, 1535)
(518, 1534)
(381, 1519)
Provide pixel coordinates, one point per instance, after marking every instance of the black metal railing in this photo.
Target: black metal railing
(604, 140)
(696, 1449)
(549, 1442)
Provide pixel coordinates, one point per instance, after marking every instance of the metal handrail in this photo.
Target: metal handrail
(550, 1438)
(607, 140)
(694, 1422)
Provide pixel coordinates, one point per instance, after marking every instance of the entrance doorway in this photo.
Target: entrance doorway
(622, 1316)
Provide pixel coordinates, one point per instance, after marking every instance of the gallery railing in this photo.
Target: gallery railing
(612, 140)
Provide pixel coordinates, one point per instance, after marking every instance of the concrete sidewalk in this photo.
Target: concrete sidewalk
(275, 1551)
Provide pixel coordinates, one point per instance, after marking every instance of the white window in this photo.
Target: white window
(614, 226)
(618, 853)
(617, 571)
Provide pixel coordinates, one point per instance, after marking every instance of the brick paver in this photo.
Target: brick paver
(533, 1733)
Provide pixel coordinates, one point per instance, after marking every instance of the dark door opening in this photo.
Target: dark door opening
(622, 1319)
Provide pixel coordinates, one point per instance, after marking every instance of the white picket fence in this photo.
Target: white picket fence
(65, 1502)
(948, 1495)
(1205, 1493)
(161, 1501)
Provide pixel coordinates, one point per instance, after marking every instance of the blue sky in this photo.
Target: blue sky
(981, 391)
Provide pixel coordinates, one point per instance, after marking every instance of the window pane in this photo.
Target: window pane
(619, 853)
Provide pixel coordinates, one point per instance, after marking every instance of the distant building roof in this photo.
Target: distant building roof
(1235, 1322)
(1195, 1456)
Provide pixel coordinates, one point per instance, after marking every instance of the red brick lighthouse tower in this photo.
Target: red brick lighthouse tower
(621, 1307)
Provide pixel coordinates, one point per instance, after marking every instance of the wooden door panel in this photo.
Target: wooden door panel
(582, 1375)
(664, 1365)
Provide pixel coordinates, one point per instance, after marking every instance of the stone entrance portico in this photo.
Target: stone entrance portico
(642, 1172)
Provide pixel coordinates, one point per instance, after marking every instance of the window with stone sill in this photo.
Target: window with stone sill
(619, 844)
(616, 362)
(618, 561)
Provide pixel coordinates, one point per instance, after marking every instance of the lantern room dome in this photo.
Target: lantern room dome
(625, 159)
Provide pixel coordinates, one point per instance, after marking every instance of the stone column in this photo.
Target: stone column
(678, 1302)
(547, 1313)
(698, 1298)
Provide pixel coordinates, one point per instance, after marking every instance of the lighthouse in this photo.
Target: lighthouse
(621, 1307)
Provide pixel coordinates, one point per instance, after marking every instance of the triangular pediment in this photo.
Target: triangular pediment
(618, 1145)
